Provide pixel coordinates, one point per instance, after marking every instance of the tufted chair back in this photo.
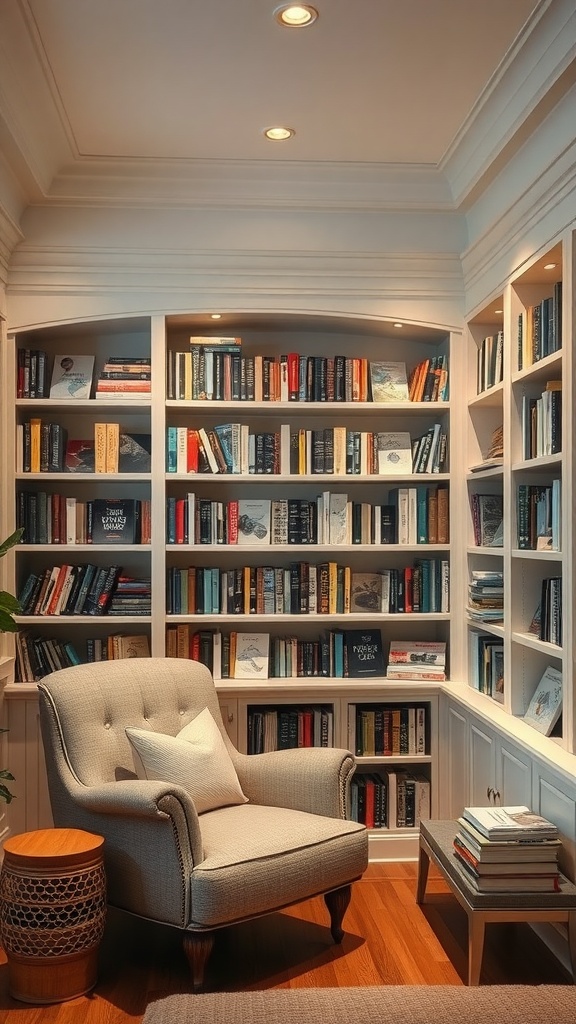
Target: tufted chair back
(161, 694)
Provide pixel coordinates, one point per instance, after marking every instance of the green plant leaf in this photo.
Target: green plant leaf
(6, 795)
(4, 774)
(8, 603)
(11, 541)
(7, 624)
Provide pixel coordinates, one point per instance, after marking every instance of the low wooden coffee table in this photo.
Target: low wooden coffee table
(481, 908)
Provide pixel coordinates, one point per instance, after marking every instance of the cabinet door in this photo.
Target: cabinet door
(482, 764)
(454, 762)
(513, 775)
(555, 798)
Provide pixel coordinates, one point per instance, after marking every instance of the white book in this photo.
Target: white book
(285, 448)
(545, 706)
(65, 591)
(394, 453)
(388, 381)
(207, 449)
(182, 449)
(70, 520)
(279, 521)
(191, 502)
(217, 656)
(72, 376)
(338, 519)
(412, 516)
(251, 658)
(254, 520)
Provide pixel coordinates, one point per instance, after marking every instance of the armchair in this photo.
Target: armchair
(284, 839)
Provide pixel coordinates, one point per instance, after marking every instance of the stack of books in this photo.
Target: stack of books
(417, 659)
(508, 849)
(486, 595)
(124, 378)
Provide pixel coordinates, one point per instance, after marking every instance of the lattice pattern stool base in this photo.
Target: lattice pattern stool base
(52, 913)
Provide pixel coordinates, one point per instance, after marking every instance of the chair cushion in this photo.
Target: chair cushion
(259, 858)
(196, 759)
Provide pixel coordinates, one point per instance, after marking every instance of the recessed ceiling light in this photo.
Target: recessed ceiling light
(498, 310)
(398, 325)
(215, 316)
(296, 15)
(549, 266)
(279, 133)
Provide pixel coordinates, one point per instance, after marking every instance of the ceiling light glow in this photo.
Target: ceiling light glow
(279, 133)
(398, 325)
(215, 316)
(549, 266)
(296, 15)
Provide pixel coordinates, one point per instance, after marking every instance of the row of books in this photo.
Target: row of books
(70, 375)
(284, 728)
(538, 516)
(417, 659)
(124, 378)
(303, 588)
(540, 329)
(234, 448)
(44, 447)
(487, 664)
(542, 422)
(508, 849)
(546, 622)
(490, 361)
(217, 369)
(486, 595)
(61, 519)
(412, 515)
(390, 799)
(387, 730)
(37, 656)
(84, 590)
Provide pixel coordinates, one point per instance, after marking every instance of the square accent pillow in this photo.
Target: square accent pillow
(196, 759)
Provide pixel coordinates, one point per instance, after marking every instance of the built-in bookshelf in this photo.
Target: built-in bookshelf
(295, 507)
(530, 488)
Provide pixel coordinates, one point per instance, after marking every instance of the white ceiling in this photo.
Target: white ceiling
(373, 82)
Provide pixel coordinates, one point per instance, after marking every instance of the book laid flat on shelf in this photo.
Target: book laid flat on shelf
(514, 822)
(72, 376)
(115, 521)
(394, 453)
(546, 705)
(388, 381)
(364, 653)
(251, 653)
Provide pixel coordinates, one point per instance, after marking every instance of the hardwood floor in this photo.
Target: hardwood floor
(389, 940)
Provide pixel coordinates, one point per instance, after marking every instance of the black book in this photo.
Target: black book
(115, 521)
(364, 653)
(134, 453)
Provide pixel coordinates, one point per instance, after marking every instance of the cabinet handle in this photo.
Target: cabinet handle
(230, 716)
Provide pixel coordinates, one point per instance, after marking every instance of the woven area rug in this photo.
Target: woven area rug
(390, 1004)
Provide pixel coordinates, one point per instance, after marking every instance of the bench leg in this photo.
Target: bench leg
(476, 930)
(572, 942)
(423, 865)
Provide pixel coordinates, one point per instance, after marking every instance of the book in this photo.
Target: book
(514, 822)
(72, 376)
(501, 868)
(388, 381)
(115, 521)
(254, 521)
(134, 453)
(366, 592)
(251, 655)
(505, 850)
(79, 456)
(364, 653)
(394, 453)
(545, 706)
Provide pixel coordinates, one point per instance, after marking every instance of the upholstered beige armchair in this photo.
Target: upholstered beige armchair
(198, 835)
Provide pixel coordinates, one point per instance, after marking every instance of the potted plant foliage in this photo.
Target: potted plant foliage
(9, 607)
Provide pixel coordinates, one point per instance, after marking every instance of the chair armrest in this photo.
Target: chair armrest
(313, 779)
(144, 799)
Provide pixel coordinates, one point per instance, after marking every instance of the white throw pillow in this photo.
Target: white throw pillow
(196, 759)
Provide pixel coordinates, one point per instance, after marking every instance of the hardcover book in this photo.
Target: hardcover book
(366, 592)
(251, 655)
(394, 453)
(364, 653)
(517, 822)
(546, 705)
(79, 456)
(115, 521)
(72, 376)
(254, 521)
(389, 382)
(134, 453)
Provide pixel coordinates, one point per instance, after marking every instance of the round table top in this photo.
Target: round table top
(52, 844)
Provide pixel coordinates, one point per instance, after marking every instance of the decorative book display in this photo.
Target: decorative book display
(72, 377)
(487, 519)
(115, 521)
(254, 521)
(364, 654)
(394, 453)
(249, 655)
(417, 659)
(545, 708)
(388, 382)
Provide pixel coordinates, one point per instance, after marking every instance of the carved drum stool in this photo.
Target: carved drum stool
(52, 912)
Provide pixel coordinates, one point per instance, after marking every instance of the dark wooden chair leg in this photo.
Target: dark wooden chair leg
(337, 902)
(197, 947)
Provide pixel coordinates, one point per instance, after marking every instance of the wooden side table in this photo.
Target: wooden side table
(481, 908)
(52, 912)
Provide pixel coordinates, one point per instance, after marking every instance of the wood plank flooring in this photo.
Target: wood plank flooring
(389, 941)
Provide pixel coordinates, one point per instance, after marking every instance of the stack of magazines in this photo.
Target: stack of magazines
(508, 849)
